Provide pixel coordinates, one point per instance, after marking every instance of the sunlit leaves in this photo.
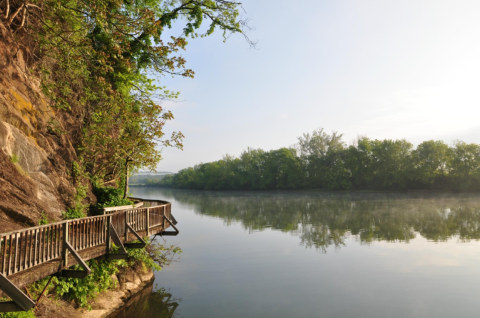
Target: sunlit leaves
(99, 57)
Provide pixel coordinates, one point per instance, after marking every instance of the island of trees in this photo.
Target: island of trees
(324, 161)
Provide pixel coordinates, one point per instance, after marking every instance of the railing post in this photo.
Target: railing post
(109, 239)
(164, 213)
(126, 227)
(147, 222)
(64, 245)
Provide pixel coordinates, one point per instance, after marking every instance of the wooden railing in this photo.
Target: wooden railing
(45, 249)
(23, 249)
(112, 209)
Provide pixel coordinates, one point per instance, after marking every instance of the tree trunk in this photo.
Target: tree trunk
(125, 193)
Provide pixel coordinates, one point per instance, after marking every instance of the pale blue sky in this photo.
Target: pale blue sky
(384, 69)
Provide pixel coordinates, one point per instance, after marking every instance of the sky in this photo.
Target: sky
(384, 69)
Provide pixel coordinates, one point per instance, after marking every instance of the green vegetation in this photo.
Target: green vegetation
(324, 161)
(43, 219)
(100, 279)
(98, 61)
(22, 314)
(109, 196)
(80, 178)
(147, 180)
(73, 213)
(14, 158)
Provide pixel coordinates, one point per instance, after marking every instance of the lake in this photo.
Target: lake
(319, 254)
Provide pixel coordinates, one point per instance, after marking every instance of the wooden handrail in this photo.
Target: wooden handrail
(122, 207)
(26, 248)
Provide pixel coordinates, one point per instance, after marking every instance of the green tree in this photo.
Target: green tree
(430, 164)
(358, 162)
(390, 163)
(251, 168)
(464, 167)
(282, 168)
(99, 61)
(326, 163)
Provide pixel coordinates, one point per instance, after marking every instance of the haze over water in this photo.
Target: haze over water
(320, 254)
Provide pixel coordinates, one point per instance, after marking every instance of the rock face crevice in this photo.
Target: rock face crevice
(36, 154)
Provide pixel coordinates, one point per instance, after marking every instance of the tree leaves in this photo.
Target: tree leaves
(321, 160)
(98, 61)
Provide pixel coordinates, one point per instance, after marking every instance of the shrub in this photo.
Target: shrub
(21, 314)
(109, 196)
(99, 280)
(14, 158)
(43, 219)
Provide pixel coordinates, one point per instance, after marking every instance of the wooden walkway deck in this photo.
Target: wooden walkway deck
(31, 254)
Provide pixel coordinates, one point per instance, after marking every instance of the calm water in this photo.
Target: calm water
(310, 254)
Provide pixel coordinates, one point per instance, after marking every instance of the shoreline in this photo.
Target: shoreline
(132, 282)
(132, 301)
(306, 190)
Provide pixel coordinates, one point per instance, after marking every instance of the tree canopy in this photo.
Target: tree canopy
(323, 161)
(101, 61)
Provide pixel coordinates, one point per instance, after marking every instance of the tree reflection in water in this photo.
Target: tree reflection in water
(149, 304)
(323, 219)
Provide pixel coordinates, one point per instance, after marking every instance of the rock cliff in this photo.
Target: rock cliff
(36, 150)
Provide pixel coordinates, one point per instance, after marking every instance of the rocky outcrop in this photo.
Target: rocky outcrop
(36, 152)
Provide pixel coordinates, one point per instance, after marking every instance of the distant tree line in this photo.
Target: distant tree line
(146, 179)
(324, 161)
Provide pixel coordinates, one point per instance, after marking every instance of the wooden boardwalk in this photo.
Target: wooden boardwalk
(31, 254)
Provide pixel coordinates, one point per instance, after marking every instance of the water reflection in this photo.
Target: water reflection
(149, 304)
(322, 220)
